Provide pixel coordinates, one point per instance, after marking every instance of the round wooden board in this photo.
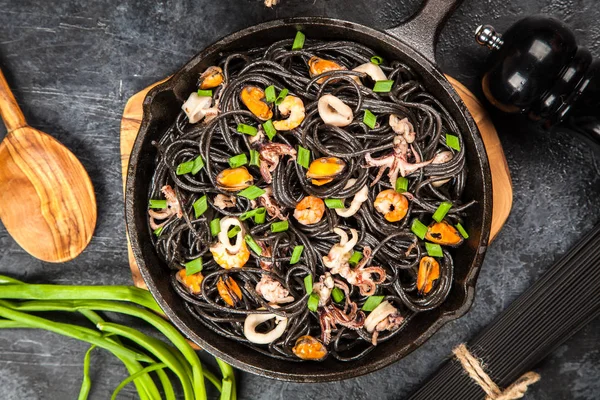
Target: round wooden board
(501, 182)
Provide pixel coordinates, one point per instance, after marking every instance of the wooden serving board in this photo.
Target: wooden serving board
(501, 182)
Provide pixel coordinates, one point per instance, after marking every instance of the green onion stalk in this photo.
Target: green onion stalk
(18, 300)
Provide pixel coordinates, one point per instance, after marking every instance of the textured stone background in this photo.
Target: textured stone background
(73, 64)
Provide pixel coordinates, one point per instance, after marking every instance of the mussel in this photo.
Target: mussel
(309, 348)
(254, 99)
(429, 272)
(323, 170)
(443, 233)
(234, 179)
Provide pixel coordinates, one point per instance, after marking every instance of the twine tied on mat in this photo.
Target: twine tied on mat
(475, 370)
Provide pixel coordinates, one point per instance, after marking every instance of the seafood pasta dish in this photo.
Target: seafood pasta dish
(308, 199)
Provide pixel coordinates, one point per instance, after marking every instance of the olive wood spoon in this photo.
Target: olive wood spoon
(47, 200)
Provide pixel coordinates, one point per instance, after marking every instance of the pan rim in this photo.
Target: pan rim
(475, 265)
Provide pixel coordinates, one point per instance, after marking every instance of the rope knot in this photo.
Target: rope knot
(475, 370)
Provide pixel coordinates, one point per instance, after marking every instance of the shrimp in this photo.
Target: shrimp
(310, 210)
(360, 197)
(293, 108)
(229, 255)
(391, 204)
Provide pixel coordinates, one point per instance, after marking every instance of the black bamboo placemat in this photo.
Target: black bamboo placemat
(561, 302)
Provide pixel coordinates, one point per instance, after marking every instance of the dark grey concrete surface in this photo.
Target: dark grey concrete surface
(73, 64)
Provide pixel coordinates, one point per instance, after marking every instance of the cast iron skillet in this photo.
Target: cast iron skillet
(412, 43)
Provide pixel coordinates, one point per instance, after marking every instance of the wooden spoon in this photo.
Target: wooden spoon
(47, 201)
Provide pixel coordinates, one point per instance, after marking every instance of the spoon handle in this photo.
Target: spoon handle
(9, 109)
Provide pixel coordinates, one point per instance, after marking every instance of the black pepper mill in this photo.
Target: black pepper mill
(537, 69)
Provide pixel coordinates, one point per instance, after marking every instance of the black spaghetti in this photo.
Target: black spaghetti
(306, 198)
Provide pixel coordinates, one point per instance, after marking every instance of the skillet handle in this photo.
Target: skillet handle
(421, 31)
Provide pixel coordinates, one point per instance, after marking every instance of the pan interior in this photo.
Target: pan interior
(160, 110)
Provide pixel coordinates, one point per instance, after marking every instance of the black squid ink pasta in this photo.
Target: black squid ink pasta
(306, 198)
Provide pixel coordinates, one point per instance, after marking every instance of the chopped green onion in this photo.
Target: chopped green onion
(215, 226)
(198, 165)
(355, 258)
(337, 294)
(453, 142)
(434, 250)
(383, 86)
(303, 157)
(418, 228)
(247, 214)
(251, 213)
(269, 129)
(462, 231)
(233, 232)
(157, 204)
(296, 254)
(251, 192)
(204, 93)
(270, 96)
(280, 226)
(253, 245)
(376, 60)
(369, 119)
(158, 231)
(298, 41)
(247, 129)
(194, 166)
(372, 303)
(281, 97)
(401, 184)
(238, 161)
(441, 211)
(185, 168)
(334, 203)
(200, 206)
(254, 158)
(193, 267)
(260, 216)
(313, 302)
(308, 283)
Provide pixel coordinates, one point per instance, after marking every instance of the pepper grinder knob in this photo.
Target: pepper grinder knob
(537, 69)
(486, 35)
